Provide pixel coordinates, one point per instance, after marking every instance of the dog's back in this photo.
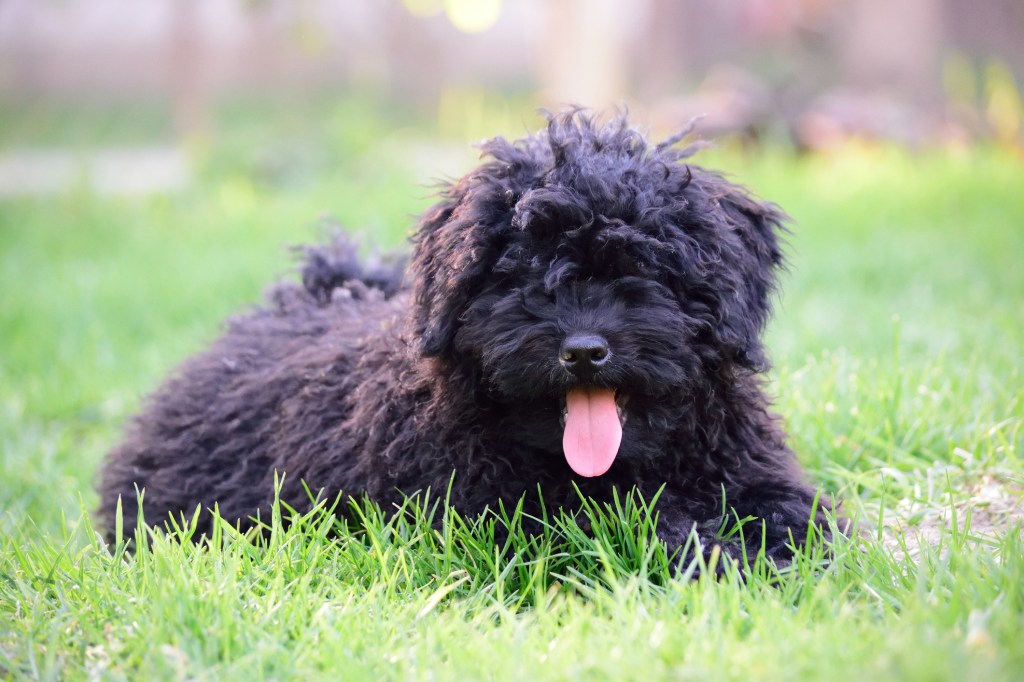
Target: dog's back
(212, 433)
(337, 264)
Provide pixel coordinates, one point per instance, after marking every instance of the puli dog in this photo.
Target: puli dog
(581, 314)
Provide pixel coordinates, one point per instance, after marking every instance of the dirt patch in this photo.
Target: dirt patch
(985, 510)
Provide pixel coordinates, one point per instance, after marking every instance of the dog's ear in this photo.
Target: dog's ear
(749, 252)
(452, 255)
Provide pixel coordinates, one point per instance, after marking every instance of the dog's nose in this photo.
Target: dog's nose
(584, 354)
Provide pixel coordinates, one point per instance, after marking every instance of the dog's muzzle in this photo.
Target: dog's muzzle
(593, 418)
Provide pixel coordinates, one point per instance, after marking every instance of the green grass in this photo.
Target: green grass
(897, 351)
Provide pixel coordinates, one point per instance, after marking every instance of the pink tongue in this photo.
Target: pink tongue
(592, 430)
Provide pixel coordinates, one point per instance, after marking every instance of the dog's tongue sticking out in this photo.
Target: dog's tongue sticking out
(592, 430)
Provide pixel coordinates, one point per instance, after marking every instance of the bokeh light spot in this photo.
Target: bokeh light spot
(473, 16)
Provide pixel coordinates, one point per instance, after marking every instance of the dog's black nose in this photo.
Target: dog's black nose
(584, 354)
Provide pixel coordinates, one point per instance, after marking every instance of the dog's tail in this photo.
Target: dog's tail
(335, 264)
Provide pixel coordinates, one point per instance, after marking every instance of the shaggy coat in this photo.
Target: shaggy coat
(583, 242)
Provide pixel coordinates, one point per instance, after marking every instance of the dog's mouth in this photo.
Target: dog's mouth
(592, 424)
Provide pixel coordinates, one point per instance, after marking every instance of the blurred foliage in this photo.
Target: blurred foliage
(986, 98)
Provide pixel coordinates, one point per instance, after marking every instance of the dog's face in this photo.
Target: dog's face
(590, 282)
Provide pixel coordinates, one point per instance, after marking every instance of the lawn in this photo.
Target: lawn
(897, 346)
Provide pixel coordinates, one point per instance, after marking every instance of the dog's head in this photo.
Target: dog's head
(588, 271)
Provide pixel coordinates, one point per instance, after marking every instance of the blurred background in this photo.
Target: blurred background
(158, 157)
(151, 84)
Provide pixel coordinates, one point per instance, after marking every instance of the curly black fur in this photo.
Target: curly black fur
(356, 382)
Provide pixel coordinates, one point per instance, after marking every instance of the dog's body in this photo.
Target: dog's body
(582, 309)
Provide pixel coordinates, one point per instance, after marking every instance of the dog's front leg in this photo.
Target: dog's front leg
(778, 519)
(687, 538)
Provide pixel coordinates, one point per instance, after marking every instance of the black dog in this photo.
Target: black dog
(582, 309)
